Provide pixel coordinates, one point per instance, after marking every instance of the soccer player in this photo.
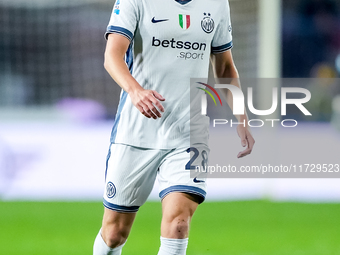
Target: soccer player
(151, 135)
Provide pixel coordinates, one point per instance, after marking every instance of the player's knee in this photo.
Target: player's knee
(114, 241)
(179, 227)
(115, 237)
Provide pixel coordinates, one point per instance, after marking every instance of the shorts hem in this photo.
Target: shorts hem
(184, 189)
(120, 208)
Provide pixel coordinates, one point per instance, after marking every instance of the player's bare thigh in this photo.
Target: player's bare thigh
(116, 227)
(178, 209)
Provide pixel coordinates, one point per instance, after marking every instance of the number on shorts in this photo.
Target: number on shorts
(205, 159)
(189, 165)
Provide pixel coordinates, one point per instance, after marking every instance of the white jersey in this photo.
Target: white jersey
(177, 38)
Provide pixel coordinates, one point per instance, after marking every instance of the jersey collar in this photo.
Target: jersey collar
(183, 2)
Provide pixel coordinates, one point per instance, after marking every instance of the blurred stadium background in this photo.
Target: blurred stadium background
(57, 107)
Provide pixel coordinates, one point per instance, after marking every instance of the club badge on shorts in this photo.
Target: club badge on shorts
(110, 190)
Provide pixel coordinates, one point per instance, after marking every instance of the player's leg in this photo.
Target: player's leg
(115, 230)
(130, 176)
(116, 227)
(180, 193)
(178, 209)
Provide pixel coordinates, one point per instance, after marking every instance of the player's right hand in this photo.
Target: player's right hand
(147, 102)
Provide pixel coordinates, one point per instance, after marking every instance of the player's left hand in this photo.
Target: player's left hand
(247, 140)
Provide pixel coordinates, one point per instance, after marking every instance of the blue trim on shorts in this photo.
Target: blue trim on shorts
(120, 208)
(183, 188)
(107, 161)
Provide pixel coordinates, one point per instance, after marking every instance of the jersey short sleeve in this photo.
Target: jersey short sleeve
(223, 40)
(124, 18)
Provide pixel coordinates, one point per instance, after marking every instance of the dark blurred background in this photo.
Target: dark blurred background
(311, 38)
(50, 51)
(311, 48)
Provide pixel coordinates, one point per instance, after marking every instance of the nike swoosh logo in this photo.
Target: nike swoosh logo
(197, 181)
(159, 20)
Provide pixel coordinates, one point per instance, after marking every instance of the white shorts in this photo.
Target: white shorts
(131, 173)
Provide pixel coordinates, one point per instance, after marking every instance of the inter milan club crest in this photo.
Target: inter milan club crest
(184, 21)
(110, 190)
(207, 23)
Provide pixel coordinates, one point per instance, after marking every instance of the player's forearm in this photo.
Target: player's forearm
(230, 72)
(118, 70)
